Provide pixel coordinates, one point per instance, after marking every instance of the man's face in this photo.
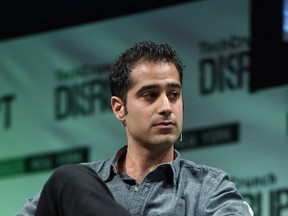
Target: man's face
(154, 108)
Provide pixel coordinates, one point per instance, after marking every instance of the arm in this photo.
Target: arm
(223, 198)
(29, 207)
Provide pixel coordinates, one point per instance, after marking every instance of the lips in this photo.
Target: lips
(165, 125)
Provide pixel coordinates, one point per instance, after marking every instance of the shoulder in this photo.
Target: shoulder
(203, 174)
(201, 169)
(214, 187)
(97, 165)
(103, 167)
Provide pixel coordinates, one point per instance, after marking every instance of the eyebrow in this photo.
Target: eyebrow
(155, 86)
(174, 85)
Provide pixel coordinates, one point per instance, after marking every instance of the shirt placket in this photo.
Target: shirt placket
(140, 197)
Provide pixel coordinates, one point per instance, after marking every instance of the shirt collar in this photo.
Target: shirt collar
(175, 165)
(112, 169)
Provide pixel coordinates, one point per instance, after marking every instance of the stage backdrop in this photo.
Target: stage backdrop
(54, 101)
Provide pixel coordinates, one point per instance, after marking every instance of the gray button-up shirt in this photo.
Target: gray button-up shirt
(180, 187)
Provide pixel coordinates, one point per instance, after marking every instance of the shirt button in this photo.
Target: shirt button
(135, 188)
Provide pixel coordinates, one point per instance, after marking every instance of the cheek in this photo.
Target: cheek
(135, 115)
(179, 114)
(178, 109)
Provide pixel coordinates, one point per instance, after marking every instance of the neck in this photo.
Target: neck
(139, 161)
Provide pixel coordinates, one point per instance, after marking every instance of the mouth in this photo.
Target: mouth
(165, 124)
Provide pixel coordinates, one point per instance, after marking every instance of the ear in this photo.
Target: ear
(118, 108)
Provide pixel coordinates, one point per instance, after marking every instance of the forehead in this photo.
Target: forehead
(145, 73)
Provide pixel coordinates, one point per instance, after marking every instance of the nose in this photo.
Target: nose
(165, 107)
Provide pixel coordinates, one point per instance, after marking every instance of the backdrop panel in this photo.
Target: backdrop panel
(54, 101)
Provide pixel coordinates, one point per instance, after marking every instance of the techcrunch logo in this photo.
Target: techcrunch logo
(85, 97)
(224, 72)
(83, 71)
(81, 99)
(231, 43)
(263, 194)
(224, 65)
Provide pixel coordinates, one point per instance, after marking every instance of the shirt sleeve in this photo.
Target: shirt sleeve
(29, 207)
(222, 198)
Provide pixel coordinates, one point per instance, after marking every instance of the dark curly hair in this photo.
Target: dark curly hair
(119, 79)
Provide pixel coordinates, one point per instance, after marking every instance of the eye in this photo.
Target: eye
(174, 95)
(150, 95)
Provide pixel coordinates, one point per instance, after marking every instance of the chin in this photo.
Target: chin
(167, 140)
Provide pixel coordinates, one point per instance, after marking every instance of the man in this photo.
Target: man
(146, 176)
